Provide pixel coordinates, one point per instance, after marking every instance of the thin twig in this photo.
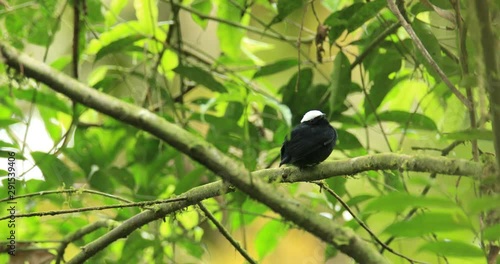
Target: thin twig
(79, 234)
(66, 191)
(376, 41)
(425, 53)
(324, 185)
(226, 234)
(374, 110)
(95, 208)
(464, 65)
(238, 25)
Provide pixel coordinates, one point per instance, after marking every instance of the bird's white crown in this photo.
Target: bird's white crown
(311, 115)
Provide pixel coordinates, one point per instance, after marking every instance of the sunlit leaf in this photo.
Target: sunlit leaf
(285, 8)
(54, 170)
(379, 74)
(431, 44)
(407, 119)
(146, 12)
(337, 184)
(346, 140)
(492, 233)
(275, 67)
(398, 201)
(229, 36)
(113, 12)
(268, 237)
(484, 203)
(204, 7)
(338, 21)
(134, 243)
(200, 76)
(452, 249)
(470, 134)
(120, 45)
(340, 79)
(364, 13)
(427, 223)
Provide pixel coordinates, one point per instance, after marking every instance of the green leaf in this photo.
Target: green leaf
(101, 180)
(430, 42)
(397, 202)
(54, 170)
(427, 223)
(146, 12)
(204, 7)
(193, 248)
(346, 140)
(201, 77)
(412, 120)
(452, 249)
(365, 13)
(268, 237)
(298, 98)
(230, 36)
(48, 99)
(4, 123)
(380, 65)
(392, 180)
(339, 20)
(492, 233)
(120, 45)
(285, 8)
(51, 122)
(189, 180)
(134, 243)
(94, 12)
(276, 67)
(340, 81)
(4, 145)
(337, 184)
(250, 209)
(114, 8)
(330, 251)
(484, 203)
(123, 176)
(470, 134)
(359, 199)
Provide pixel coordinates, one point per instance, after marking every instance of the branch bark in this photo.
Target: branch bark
(491, 71)
(233, 172)
(420, 46)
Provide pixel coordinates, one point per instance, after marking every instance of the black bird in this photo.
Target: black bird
(311, 142)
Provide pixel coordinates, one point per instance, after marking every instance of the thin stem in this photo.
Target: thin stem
(425, 53)
(94, 208)
(66, 191)
(324, 185)
(79, 234)
(226, 234)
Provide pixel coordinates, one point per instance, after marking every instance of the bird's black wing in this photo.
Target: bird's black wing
(303, 142)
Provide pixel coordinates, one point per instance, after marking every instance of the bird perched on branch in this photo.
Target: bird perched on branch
(311, 142)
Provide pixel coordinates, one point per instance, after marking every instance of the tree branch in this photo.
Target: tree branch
(192, 197)
(95, 208)
(425, 53)
(342, 238)
(491, 72)
(79, 234)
